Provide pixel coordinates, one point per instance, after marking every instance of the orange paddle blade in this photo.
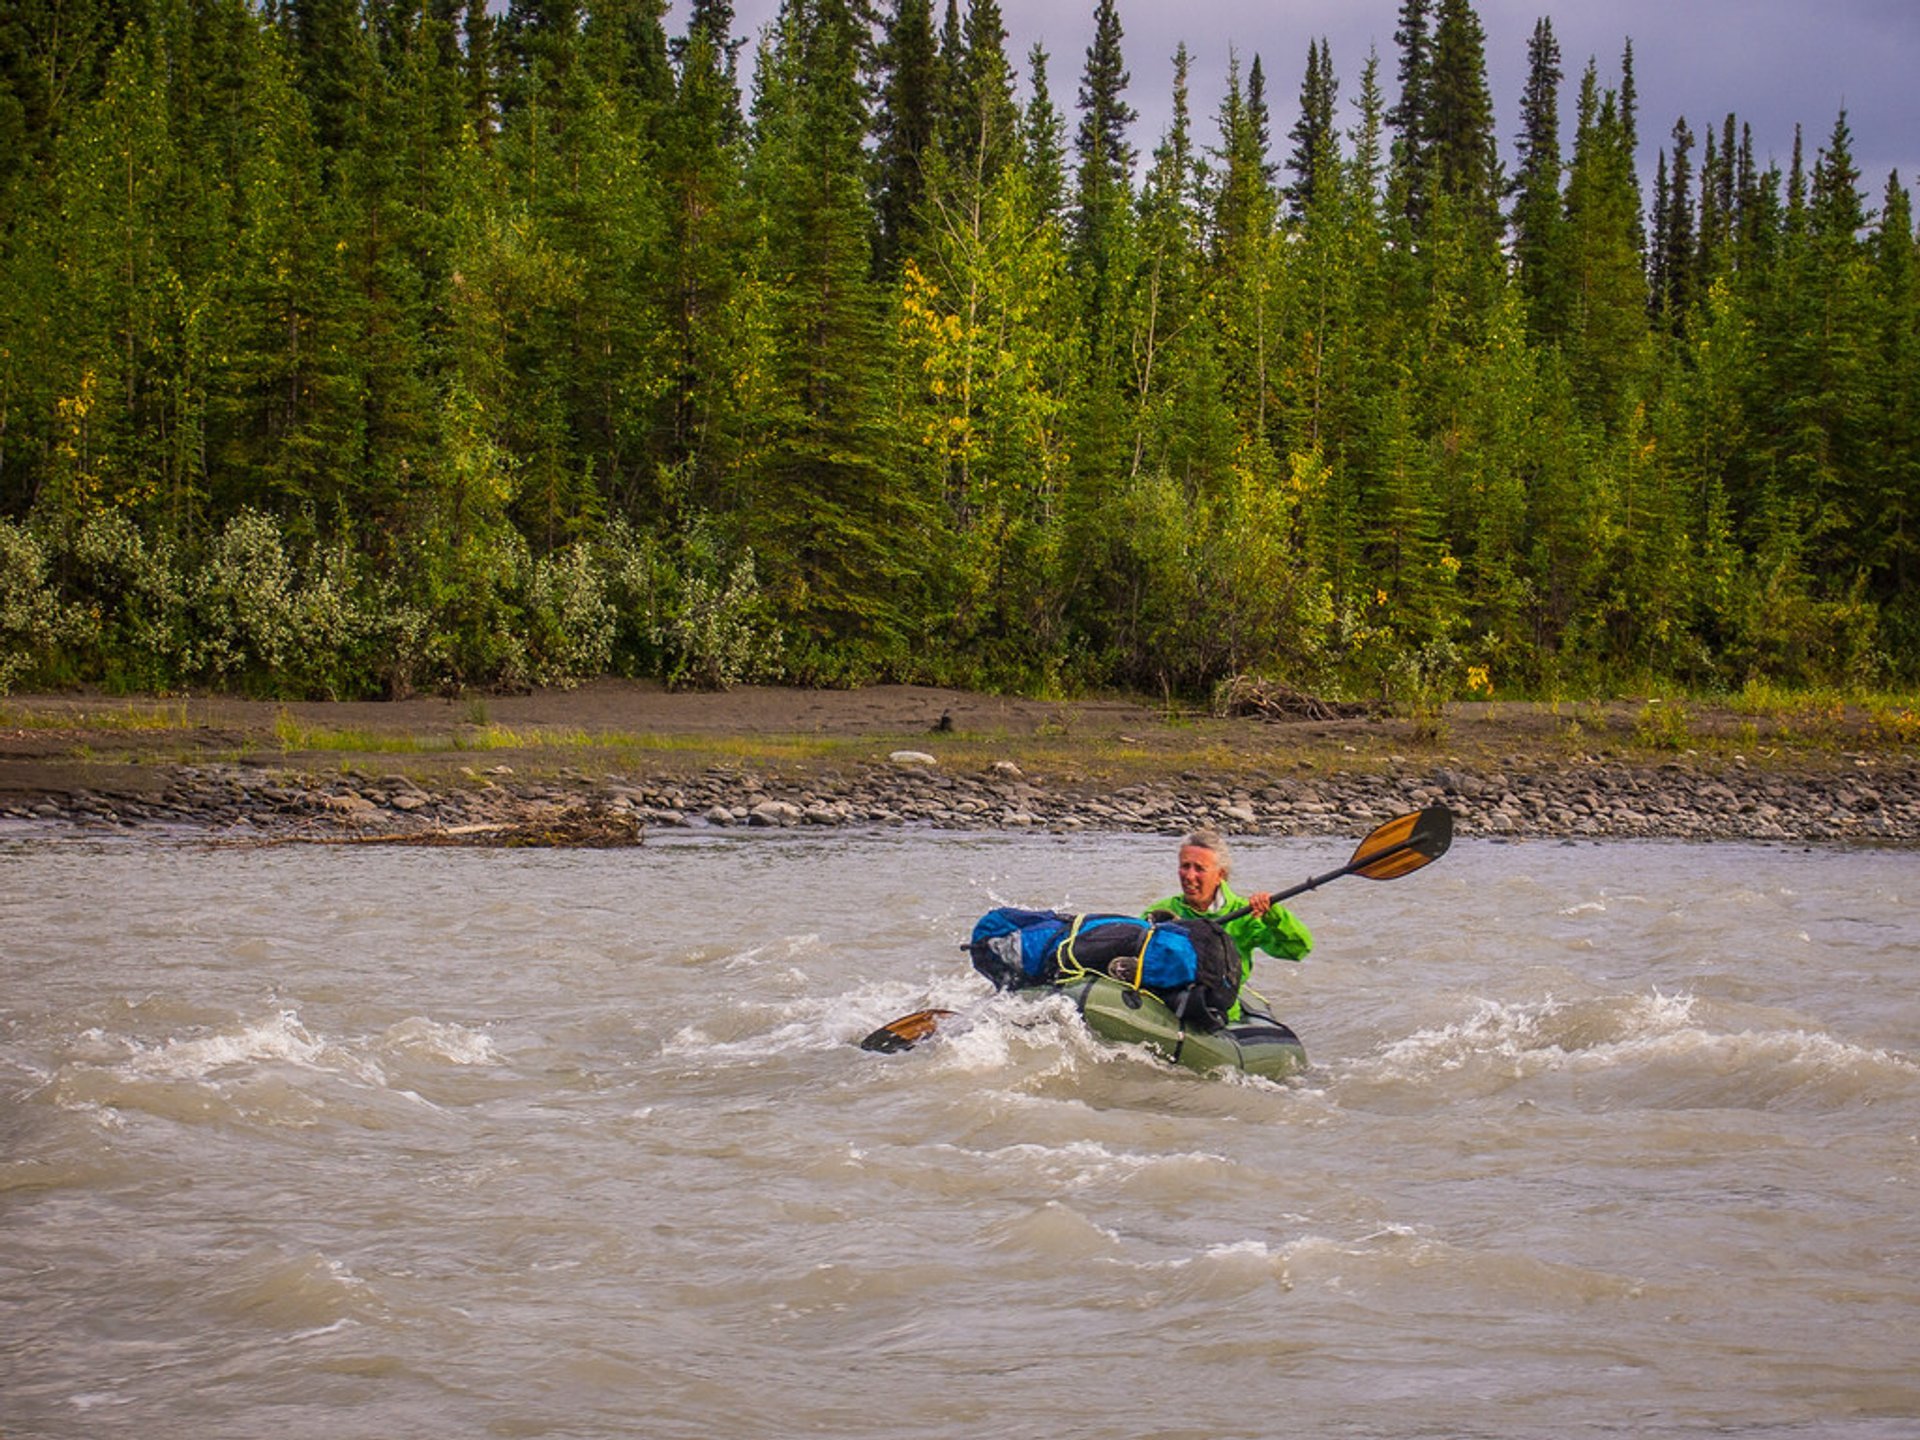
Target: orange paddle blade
(1402, 846)
(906, 1032)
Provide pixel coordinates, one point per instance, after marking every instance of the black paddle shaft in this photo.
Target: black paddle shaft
(1314, 884)
(1429, 838)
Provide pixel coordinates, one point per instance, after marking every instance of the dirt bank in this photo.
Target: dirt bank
(917, 755)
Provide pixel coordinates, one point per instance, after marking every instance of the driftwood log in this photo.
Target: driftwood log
(593, 828)
(1270, 700)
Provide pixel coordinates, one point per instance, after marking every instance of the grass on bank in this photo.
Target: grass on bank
(1761, 724)
(157, 717)
(1053, 748)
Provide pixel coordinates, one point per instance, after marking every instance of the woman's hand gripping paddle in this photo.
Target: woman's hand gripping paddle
(1399, 847)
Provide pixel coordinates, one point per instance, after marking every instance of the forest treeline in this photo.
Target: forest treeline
(356, 347)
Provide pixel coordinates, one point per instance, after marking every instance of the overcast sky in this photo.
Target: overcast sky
(1774, 63)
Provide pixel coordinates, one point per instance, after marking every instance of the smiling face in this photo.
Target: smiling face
(1200, 876)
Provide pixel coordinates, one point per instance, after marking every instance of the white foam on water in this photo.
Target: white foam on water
(1666, 1040)
(1226, 1269)
(420, 1037)
(1077, 1165)
(272, 1070)
(988, 1038)
(281, 1037)
(1522, 1030)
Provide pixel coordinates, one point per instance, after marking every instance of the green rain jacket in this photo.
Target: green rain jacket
(1279, 933)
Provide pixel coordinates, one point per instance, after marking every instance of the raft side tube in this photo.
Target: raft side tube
(1258, 1044)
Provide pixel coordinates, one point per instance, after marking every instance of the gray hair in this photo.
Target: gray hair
(1211, 839)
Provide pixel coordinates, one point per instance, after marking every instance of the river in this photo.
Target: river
(1615, 1139)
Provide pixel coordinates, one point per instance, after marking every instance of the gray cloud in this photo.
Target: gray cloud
(1774, 63)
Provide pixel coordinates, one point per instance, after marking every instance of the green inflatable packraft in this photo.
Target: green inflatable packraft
(1257, 1043)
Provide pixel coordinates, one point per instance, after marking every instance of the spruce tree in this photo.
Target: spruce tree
(1535, 220)
(1662, 215)
(1105, 157)
(986, 118)
(1837, 213)
(1409, 118)
(1463, 159)
(1892, 484)
(1713, 208)
(335, 66)
(1316, 145)
(822, 499)
(1260, 118)
(710, 23)
(904, 128)
(478, 62)
(1366, 138)
(1177, 425)
(1797, 186)
(1043, 135)
(625, 44)
(1607, 321)
(1241, 229)
(708, 229)
(1671, 292)
(1243, 203)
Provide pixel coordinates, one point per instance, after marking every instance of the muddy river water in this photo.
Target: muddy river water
(304, 1142)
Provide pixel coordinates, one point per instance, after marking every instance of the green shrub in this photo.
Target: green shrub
(1664, 725)
(720, 630)
(34, 623)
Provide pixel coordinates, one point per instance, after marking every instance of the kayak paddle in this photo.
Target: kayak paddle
(1399, 847)
(904, 1033)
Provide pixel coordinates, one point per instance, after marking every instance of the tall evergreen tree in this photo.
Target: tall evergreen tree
(625, 43)
(1716, 203)
(986, 119)
(1410, 116)
(1316, 144)
(1892, 500)
(478, 68)
(1104, 175)
(708, 230)
(1243, 209)
(1671, 287)
(1175, 415)
(335, 65)
(1837, 213)
(1607, 321)
(1366, 138)
(905, 125)
(1464, 157)
(710, 22)
(824, 501)
(1535, 220)
(1242, 227)
(1260, 117)
(1043, 135)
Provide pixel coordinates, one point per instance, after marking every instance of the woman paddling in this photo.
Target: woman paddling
(1274, 929)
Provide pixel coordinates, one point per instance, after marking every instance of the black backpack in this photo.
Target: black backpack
(1206, 1003)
